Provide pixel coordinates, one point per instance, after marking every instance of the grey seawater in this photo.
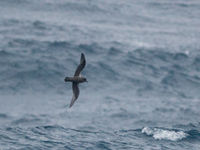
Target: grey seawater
(143, 71)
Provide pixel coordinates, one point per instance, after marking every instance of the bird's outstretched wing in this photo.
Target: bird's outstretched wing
(75, 93)
(81, 65)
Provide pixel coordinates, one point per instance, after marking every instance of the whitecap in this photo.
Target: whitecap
(164, 134)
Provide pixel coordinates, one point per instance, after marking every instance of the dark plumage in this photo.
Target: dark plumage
(76, 79)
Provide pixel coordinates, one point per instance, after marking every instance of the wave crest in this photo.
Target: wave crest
(164, 134)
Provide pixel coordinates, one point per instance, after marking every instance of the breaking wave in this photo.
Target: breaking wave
(164, 134)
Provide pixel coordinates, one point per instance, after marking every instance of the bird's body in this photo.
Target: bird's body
(76, 79)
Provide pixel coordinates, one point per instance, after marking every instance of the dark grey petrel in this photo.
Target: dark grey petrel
(76, 79)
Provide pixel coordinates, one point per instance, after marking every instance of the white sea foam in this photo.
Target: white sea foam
(164, 134)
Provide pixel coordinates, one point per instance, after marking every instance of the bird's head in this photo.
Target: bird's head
(66, 79)
(85, 80)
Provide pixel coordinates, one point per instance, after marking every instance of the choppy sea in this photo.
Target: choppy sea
(143, 72)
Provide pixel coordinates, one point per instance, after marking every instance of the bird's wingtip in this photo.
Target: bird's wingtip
(70, 105)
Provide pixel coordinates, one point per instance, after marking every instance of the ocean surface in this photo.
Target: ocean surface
(143, 72)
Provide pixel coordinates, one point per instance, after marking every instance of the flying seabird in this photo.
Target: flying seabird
(76, 79)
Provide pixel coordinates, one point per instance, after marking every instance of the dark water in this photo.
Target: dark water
(143, 68)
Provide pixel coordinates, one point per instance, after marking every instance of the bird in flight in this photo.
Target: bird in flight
(76, 79)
